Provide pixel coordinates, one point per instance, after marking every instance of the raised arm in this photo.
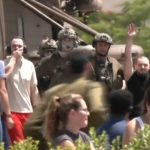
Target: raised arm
(16, 55)
(10, 66)
(128, 64)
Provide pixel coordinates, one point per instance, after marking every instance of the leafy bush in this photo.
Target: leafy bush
(140, 142)
(28, 144)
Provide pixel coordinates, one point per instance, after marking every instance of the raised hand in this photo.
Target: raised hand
(17, 54)
(132, 30)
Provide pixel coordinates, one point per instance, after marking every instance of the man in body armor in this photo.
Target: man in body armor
(107, 69)
(52, 66)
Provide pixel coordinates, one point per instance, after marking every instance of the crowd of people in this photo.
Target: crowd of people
(71, 90)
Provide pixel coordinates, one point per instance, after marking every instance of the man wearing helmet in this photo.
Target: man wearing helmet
(102, 43)
(67, 40)
(51, 66)
(107, 69)
(47, 47)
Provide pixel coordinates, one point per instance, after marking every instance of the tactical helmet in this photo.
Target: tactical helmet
(47, 45)
(102, 37)
(33, 54)
(67, 32)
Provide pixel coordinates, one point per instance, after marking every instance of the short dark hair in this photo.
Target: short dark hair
(8, 47)
(17, 37)
(120, 102)
(79, 58)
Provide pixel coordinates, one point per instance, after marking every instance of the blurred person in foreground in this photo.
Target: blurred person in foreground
(92, 92)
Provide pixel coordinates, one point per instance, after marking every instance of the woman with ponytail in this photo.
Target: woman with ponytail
(64, 118)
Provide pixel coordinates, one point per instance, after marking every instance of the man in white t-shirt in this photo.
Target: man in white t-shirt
(22, 88)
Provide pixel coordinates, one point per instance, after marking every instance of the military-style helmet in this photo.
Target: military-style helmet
(102, 37)
(47, 45)
(33, 54)
(67, 32)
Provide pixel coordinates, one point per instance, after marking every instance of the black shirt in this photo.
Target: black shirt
(67, 135)
(137, 85)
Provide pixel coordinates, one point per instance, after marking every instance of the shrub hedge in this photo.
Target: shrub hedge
(140, 142)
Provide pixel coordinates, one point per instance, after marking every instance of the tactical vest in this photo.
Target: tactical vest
(104, 72)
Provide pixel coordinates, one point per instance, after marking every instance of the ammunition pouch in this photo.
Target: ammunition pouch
(104, 73)
(43, 83)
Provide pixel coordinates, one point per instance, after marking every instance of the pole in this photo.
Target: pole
(65, 17)
(2, 30)
(40, 13)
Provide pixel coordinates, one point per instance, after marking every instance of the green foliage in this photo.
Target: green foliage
(80, 145)
(136, 11)
(1, 146)
(98, 141)
(28, 144)
(141, 141)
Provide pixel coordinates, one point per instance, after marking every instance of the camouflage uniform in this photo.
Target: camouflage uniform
(33, 56)
(109, 71)
(48, 69)
(47, 47)
(53, 65)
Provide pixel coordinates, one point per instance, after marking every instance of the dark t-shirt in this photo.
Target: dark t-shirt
(67, 135)
(137, 85)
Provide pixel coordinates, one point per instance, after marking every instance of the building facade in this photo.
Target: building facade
(20, 21)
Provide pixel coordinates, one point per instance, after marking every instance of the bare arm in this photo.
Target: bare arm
(12, 62)
(35, 97)
(128, 64)
(10, 66)
(129, 132)
(66, 144)
(5, 102)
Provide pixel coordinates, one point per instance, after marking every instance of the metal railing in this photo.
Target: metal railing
(45, 12)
